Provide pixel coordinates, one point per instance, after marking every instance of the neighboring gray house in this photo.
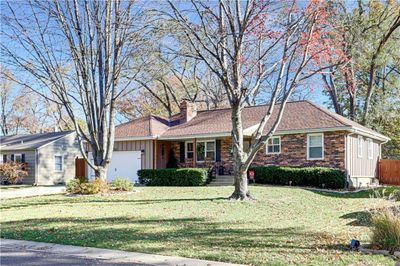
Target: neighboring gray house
(50, 157)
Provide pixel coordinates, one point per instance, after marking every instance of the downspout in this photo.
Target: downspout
(36, 167)
(155, 154)
(348, 160)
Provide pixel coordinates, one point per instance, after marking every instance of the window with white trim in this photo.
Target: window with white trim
(58, 163)
(360, 141)
(315, 146)
(204, 150)
(273, 145)
(189, 150)
(370, 149)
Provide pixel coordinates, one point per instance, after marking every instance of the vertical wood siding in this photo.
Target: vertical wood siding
(29, 159)
(362, 167)
(138, 145)
(66, 147)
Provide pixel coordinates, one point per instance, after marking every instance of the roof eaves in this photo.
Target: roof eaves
(195, 136)
(136, 138)
(374, 135)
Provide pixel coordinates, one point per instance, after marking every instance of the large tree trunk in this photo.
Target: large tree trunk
(101, 173)
(101, 165)
(241, 191)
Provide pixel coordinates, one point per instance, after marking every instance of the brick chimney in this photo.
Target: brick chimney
(188, 111)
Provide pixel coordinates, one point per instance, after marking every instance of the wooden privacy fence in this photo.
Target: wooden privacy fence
(389, 172)
(80, 167)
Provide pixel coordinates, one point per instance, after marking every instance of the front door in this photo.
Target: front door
(163, 150)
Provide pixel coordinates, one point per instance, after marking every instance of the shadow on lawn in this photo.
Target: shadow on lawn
(169, 235)
(360, 218)
(364, 194)
(49, 200)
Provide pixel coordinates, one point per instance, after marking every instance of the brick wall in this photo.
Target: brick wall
(293, 153)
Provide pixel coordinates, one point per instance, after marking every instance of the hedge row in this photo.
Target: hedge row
(305, 176)
(173, 177)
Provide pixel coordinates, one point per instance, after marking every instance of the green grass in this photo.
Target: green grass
(285, 225)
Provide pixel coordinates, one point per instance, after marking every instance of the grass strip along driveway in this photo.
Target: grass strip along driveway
(285, 225)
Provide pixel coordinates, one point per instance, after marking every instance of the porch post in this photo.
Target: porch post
(155, 154)
(194, 153)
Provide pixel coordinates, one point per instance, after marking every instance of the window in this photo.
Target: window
(204, 150)
(360, 147)
(189, 150)
(210, 150)
(315, 146)
(274, 145)
(370, 149)
(58, 163)
(18, 158)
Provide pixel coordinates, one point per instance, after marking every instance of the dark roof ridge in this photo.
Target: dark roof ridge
(55, 132)
(149, 116)
(252, 106)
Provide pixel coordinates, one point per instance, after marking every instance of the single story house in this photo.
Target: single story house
(308, 135)
(50, 157)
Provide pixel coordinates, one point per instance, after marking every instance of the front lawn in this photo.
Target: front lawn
(284, 225)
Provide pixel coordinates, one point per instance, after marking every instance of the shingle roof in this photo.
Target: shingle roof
(147, 126)
(31, 141)
(297, 116)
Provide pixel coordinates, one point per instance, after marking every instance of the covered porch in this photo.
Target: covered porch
(194, 153)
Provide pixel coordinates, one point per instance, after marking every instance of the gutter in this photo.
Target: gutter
(222, 134)
(137, 138)
(369, 134)
(36, 167)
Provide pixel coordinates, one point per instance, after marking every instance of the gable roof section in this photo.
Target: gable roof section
(299, 116)
(30, 141)
(149, 126)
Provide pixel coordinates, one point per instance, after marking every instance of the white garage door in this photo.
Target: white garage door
(124, 164)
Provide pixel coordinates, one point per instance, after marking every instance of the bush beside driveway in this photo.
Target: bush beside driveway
(285, 224)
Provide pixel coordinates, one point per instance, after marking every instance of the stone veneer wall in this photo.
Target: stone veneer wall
(293, 153)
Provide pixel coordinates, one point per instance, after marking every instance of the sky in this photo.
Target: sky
(315, 94)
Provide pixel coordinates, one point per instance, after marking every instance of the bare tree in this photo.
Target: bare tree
(6, 101)
(77, 51)
(247, 43)
(368, 41)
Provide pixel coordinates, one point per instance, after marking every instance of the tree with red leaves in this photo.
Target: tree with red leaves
(252, 46)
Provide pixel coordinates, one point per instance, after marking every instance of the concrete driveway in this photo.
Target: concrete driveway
(30, 191)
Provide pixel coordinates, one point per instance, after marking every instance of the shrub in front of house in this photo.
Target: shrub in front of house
(173, 177)
(300, 176)
(122, 184)
(73, 186)
(76, 186)
(12, 172)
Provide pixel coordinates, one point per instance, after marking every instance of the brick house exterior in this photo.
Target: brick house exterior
(203, 139)
(293, 153)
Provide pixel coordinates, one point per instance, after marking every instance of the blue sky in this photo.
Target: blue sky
(316, 94)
